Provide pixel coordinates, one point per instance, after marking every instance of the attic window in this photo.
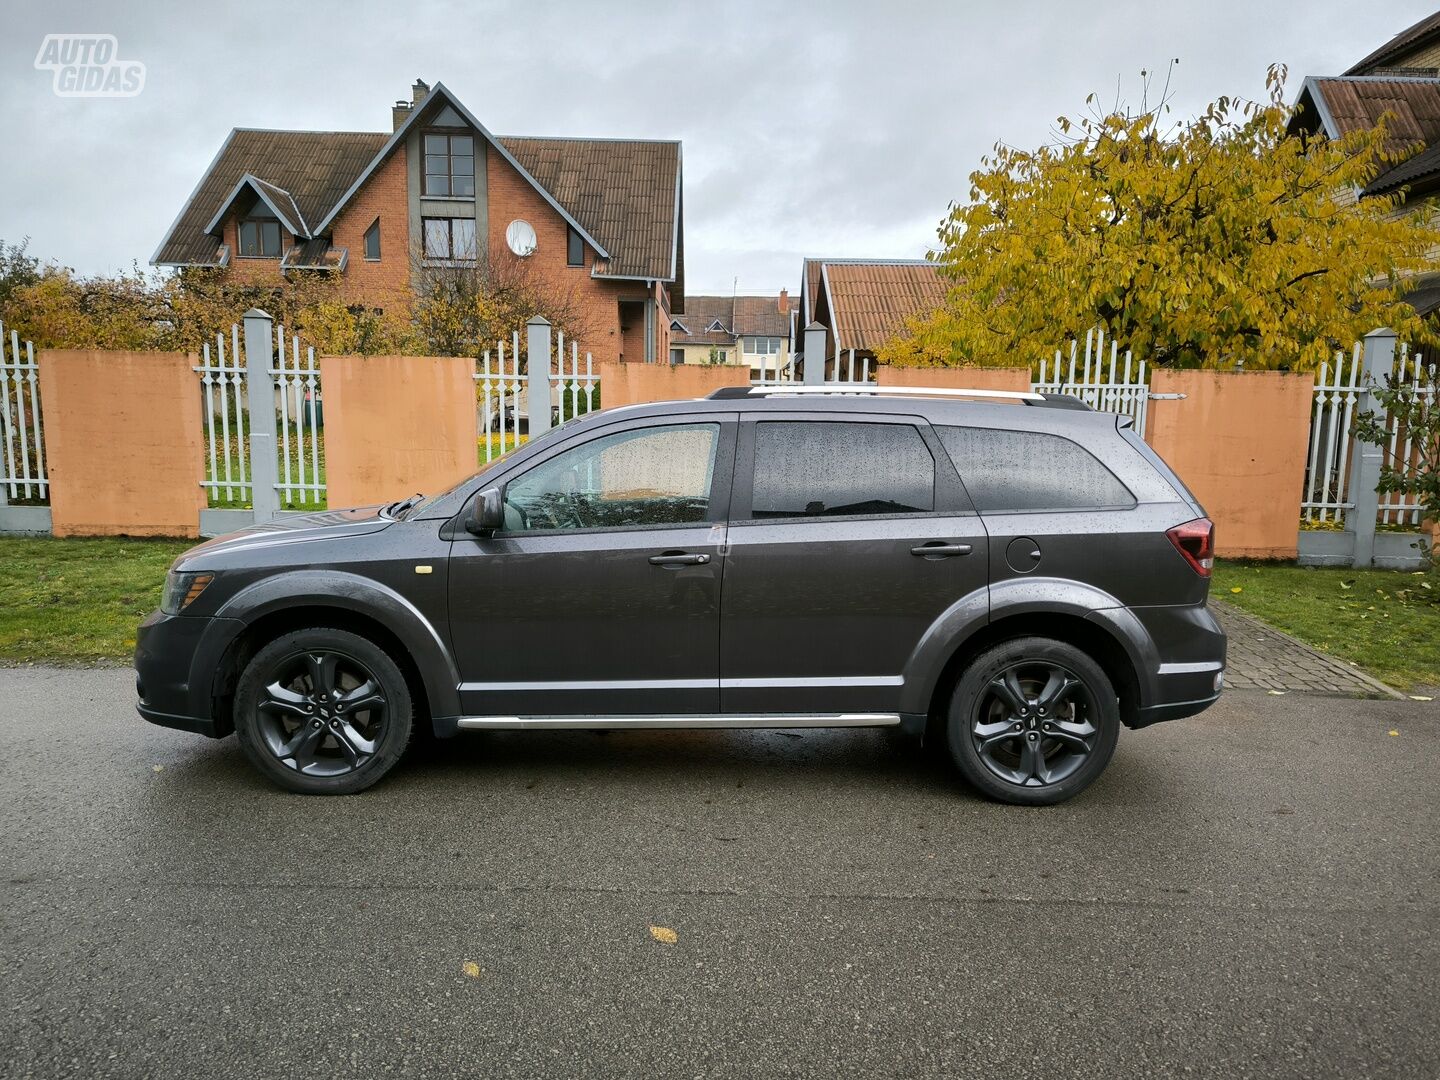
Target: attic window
(715, 327)
(676, 326)
(449, 165)
(372, 242)
(574, 248)
(259, 237)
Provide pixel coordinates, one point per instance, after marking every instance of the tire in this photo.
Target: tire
(1007, 747)
(323, 711)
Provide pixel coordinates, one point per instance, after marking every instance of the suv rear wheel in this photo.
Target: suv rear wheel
(1033, 721)
(323, 711)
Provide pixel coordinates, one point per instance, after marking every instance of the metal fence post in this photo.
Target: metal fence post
(1366, 459)
(260, 393)
(537, 371)
(814, 354)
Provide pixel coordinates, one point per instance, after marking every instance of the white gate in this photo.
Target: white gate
(503, 380)
(21, 425)
(1397, 509)
(1113, 388)
(1327, 472)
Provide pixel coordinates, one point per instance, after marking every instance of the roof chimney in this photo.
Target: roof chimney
(418, 91)
(784, 301)
(399, 112)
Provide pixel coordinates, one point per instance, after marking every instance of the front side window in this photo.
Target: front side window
(1030, 470)
(650, 476)
(372, 241)
(449, 165)
(259, 238)
(839, 469)
(450, 238)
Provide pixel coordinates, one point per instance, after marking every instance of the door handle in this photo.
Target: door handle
(678, 558)
(938, 549)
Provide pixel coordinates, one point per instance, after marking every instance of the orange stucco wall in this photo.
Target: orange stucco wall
(632, 384)
(395, 425)
(1238, 441)
(959, 378)
(123, 443)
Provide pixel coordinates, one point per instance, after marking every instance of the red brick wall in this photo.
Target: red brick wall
(384, 284)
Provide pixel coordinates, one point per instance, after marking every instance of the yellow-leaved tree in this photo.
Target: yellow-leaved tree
(1224, 239)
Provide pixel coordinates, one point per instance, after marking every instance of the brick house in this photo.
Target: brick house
(602, 218)
(752, 330)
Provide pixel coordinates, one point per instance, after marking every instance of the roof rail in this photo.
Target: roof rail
(1026, 397)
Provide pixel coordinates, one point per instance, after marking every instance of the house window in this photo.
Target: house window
(677, 327)
(450, 165)
(715, 327)
(259, 238)
(450, 238)
(372, 241)
(574, 248)
(762, 346)
(677, 356)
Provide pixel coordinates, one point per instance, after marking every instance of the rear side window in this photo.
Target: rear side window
(1030, 470)
(825, 469)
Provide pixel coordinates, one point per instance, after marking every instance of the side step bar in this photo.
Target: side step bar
(619, 723)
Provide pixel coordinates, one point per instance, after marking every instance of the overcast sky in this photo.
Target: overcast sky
(837, 129)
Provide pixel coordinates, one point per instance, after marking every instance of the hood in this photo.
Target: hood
(291, 529)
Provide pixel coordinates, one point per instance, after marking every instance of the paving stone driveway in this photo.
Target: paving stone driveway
(1260, 657)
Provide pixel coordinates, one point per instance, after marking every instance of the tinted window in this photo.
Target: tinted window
(574, 248)
(827, 469)
(1030, 470)
(652, 476)
(372, 241)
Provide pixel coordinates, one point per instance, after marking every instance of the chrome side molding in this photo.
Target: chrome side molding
(618, 723)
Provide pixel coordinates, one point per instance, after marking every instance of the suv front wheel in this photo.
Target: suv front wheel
(1033, 721)
(323, 711)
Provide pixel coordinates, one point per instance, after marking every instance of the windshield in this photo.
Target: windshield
(413, 508)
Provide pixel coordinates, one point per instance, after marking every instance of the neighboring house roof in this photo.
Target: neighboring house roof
(869, 300)
(313, 168)
(1424, 32)
(1350, 103)
(742, 316)
(623, 196)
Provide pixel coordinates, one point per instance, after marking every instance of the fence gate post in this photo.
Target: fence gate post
(537, 371)
(815, 354)
(260, 394)
(1366, 459)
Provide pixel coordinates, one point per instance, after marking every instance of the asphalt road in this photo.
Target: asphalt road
(1248, 893)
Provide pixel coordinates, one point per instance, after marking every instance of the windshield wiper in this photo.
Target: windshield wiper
(397, 510)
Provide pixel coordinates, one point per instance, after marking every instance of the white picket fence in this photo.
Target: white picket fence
(293, 389)
(503, 380)
(1113, 387)
(21, 425)
(1338, 387)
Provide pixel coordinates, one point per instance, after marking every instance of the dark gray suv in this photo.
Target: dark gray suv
(1012, 575)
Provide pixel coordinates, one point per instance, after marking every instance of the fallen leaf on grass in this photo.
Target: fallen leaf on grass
(471, 969)
(1237, 589)
(664, 935)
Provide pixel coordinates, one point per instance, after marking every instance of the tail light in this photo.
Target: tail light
(1196, 541)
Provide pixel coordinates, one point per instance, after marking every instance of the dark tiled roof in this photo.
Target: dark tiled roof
(1423, 168)
(870, 302)
(742, 316)
(623, 192)
(1357, 102)
(313, 167)
(1413, 37)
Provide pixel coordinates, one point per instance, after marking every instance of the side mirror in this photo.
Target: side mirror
(487, 515)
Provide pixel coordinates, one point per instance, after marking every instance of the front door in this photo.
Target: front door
(601, 596)
(848, 539)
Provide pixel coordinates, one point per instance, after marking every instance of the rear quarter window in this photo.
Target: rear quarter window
(1030, 470)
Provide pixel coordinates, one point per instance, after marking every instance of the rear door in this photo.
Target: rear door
(849, 535)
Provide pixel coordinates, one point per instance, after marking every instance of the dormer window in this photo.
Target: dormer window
(716, 327)
(677, 327)
(258, 234)
(449, 165)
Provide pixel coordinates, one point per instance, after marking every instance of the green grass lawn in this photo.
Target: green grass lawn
(1384, 620)
(72, 601)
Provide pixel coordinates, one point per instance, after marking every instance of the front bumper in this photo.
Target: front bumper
(176, 660)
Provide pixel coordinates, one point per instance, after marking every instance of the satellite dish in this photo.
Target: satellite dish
(520, 235)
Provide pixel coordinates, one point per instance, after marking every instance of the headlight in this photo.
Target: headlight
(181, 590)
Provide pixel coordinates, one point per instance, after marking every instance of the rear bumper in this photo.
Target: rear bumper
(1191, 671)
(176, 660)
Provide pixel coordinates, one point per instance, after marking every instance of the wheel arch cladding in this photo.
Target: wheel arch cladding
(292, 601)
